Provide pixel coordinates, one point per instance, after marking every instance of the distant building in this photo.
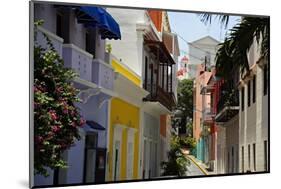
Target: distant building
(201, 51)
(182, 72)
(201, 111)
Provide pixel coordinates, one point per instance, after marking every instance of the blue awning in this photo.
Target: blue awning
(94, 125)
(98, 17)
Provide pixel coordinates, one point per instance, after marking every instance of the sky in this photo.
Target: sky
(189, 27)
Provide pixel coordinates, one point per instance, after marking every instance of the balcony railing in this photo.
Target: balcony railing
(82, 62)
(208, 116)
(79, 60)
(228, 105)
(102, 74)
(157, 93)
(55, 40)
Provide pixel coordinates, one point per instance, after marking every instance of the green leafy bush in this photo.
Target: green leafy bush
(177, 162)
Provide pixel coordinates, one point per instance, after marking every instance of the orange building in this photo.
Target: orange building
(201, 109)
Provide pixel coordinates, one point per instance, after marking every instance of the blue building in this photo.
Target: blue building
(78, 34)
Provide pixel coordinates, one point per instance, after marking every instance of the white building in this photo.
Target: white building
(253, 122)
(201, 51)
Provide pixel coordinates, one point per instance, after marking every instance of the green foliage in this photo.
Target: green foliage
(177, 162)
(232, 53)
(184, 105)
(188, 142)
(108, 48)
(56, 119)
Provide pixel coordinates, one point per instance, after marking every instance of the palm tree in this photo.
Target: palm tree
(232, 53)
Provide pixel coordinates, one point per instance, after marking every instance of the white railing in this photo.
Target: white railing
(79, 60)
(42, 41)
(102, 74)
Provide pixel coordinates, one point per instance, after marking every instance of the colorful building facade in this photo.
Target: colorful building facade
(152, 58)
(83, 50)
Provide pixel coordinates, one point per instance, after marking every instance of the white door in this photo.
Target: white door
(130, 152)
(147, 158)
(130, 158)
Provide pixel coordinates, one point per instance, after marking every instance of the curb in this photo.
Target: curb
(203, 170)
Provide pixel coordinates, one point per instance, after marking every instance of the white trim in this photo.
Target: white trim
(70, 45)
(126, 67)
(227, 108)
(132, 130)
(120, 126)
(128, 91)
(149, 28)
(93, 85)
(50, 34)
(117, 136)
(130, 139)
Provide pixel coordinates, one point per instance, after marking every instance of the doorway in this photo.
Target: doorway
(90, 157)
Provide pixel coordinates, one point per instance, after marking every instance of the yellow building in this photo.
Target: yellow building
(124, 124)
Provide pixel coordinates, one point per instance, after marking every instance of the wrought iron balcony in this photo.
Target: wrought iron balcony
(228, 105)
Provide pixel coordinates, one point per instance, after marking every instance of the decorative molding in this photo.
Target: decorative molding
(85, 95)
(93, 85)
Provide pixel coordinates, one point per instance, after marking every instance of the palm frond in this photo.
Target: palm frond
(234, 50)
(207, 18)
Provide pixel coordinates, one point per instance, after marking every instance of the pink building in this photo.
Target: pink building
(201, 128)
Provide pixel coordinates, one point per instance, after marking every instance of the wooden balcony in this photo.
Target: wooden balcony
(160, 95)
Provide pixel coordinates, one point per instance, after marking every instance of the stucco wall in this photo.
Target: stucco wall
(128, 115)
(232, 142)
(221, 148)
(152, 133)
(130, 48)
(47, 13)
(254, 123)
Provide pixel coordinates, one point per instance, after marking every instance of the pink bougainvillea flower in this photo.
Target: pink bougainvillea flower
(50, 135)
(38, 139)
(53, 115)
(82, 122)
(55, 129)
(65, 111)
(73, 124)
(72, 113)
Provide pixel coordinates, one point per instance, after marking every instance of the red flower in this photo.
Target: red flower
(73, 124)
(72, 113)
(82, 122)
(53, 115)
(38, 139)
(55, 129)
(65, 111)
